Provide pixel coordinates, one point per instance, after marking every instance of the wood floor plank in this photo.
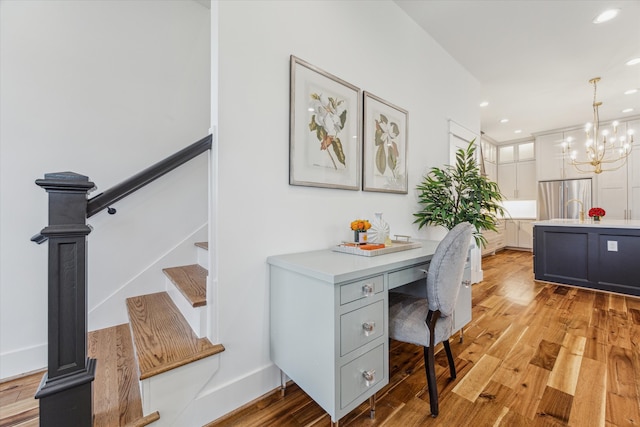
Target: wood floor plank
(529, 392)
(555, 406)
(512, 369)
(508, 340)
(491, 330)
(619, 330)
(564, 375)
(478, 377)
(589, 403)
(546, 355)
(597, 336)
(414, 412)
(18, 412)
(622, 378)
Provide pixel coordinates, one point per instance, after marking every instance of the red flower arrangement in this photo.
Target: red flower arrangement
(598, 212)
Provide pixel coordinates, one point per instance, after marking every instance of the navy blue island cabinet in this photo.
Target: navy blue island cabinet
(598, 255)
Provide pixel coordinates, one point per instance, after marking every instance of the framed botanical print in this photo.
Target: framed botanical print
(324, 136)
(385, 146)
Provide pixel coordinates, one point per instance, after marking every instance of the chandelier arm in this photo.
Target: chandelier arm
(577, 165)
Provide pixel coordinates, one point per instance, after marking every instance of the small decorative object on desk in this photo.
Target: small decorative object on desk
(379, 232)
(596, 213)
(360, 227)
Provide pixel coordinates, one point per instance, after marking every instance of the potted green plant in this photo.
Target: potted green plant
(459, 193)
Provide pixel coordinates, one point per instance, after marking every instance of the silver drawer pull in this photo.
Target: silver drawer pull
(466, 283)
(424, 271)
(367, 289)
(368, 328)
(369, 377)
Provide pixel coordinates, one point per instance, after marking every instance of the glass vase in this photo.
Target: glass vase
(379, 229)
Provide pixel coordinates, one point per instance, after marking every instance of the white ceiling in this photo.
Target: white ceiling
(534, 59)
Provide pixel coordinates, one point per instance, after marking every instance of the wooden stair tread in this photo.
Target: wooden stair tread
(191, 281)
(162, 337)
(116, 396)
(203, 245)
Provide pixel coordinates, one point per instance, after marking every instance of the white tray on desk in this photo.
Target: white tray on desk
(396, 246)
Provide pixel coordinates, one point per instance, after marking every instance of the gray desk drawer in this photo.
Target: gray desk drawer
(361, 289)
(408, 275)
(361, 326)
(353, 375)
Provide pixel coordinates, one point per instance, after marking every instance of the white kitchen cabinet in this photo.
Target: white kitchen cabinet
(517, 180)
(550, 164)
(489, 157)
(519, 234)
(619, 190)
(495, 239)
(517, 171)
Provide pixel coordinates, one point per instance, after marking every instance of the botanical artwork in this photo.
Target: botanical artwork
(386, 140)
(325, 144)
(329, 115)
(385, 146)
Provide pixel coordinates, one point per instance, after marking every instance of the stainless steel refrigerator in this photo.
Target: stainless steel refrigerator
(556, 199)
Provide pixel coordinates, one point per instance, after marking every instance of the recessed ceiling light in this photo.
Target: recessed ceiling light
(504, 120)
(517, 131)
(627, 110)
(605, 16)
(484, 103)
(630, 91)
(633, 61)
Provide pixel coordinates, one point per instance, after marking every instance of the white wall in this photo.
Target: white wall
(105, 89)
(371, 44)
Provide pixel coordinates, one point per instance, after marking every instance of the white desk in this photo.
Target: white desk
(329, 320)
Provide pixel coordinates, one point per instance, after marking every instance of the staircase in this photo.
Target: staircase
(150, 369)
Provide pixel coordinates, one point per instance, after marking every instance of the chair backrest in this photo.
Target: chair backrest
(447, 267)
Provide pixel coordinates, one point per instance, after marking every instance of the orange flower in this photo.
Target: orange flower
(360, 225)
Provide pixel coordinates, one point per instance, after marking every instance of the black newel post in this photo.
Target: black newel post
(65, 392)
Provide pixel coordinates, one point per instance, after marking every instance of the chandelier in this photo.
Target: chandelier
(603, 151)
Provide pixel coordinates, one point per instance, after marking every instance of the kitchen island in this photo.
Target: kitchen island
(601, 255)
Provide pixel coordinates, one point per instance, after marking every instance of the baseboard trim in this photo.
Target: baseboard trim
(14, 364)
(221, 400)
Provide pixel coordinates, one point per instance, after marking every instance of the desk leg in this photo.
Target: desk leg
(335, 423)
(372, 406)
(461, 334)
(283, 383)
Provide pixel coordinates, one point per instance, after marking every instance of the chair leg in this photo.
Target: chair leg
(432, 385)
(452, 366)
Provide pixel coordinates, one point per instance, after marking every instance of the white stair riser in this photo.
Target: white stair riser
(172, 391)
(195, 316)
(203, 257)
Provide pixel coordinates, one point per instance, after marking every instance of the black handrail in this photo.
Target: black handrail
(139, 180)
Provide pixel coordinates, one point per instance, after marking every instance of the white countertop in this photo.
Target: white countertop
(604, 223)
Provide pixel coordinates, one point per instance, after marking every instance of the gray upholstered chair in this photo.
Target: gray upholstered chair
(427, 322)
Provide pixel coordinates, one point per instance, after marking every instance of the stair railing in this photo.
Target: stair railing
(65, 392)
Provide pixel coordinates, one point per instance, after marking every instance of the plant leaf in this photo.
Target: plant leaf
(381, 162)
(392, 158)
(337, 148)
(343, 118)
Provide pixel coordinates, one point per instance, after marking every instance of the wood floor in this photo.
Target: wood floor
(535, 354)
